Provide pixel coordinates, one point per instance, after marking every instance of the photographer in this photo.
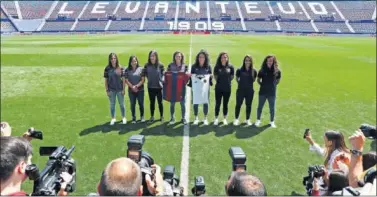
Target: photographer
(123, 177)
(337, 181)
(335, 149)
(242, 184)
(16, 154)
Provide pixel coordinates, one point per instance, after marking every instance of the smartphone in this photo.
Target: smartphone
(306, 133)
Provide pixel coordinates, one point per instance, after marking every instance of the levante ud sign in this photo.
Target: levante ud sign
(204, 15)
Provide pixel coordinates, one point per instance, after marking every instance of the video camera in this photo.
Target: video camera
(143, 159)
(200, 187)
(35, 134)
(238, 158)
(170, 177)
(48, 182)
(369, 131)
(314, 172)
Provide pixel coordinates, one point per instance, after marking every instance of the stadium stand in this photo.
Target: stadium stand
(288, 10)
(34, 10)
(124, 25)
(364, 27)
(57, 26)
(254, 10)
(260, 26)
(157, 10)
(357, 10)
(228, 12)
(7, 27)
(91, 26)
(282, 16)
(135, 10)
(333, 27)
(70, 9)
(10, 7)
(296, 26)
(100, 10)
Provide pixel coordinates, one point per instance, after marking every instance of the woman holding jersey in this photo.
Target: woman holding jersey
(154, 71)
(199, 69)
(114, 85)
(245, 77)
(178, 65)
(268, 77)
(224, 74)
(134, 78)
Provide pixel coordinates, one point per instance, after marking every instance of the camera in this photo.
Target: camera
(143, 159)
(35, 134)
(238, 158)
(315, 171)
(199, 187)
(170, 177)
(369, 131)
(48, 182)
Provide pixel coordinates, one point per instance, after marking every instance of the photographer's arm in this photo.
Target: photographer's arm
(356, 167)
(155, 187)
(27, 134)
(314, 146)
(66, 179)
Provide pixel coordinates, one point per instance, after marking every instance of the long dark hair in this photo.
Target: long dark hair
(251, 70)
(149, 57)
(117, 62)
(130, 60)
(338, 143)
(206, 56)
(183, 57)
(218, 61)
(274, 65)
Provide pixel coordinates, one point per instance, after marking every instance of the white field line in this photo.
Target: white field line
(186, 135)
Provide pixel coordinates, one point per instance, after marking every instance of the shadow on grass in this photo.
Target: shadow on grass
(164, 129)
(106, 127)
(294, 193)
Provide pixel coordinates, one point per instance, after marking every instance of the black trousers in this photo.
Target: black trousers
(221, 95)
(247, 95)
(153, 94)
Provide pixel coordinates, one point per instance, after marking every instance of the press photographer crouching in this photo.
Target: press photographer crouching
(15, 165)
(240, 183)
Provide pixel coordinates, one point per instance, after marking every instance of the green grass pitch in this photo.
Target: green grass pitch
(55, 83)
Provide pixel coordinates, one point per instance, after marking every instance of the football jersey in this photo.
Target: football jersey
(174, 88)
(200, 88)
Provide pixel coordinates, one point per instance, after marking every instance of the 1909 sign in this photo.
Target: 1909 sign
(199, 25)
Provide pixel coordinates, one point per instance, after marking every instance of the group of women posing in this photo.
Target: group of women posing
(118, 78)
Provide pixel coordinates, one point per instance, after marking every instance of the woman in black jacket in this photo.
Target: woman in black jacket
(224, 74)
(245, 76)
(268, 77)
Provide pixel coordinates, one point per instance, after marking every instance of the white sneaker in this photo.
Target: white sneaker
(257, 123)
(236, 122)
(205, 121)
(249, 123)
(124, 121)
(272, 124)
(216, 122)
(196, 121)
(225, 122)
(112, 122)
(142, 119)
(172, 121)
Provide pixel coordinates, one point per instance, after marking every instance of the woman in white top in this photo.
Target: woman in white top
(335, 149)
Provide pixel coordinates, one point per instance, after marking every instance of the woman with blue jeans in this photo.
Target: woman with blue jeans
(114, 85)
(178, 65)
(135, 77)
(268, 78)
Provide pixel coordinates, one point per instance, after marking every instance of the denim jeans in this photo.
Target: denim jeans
(271, 104)
(112, 97)
(183, 109)
(139, 96)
